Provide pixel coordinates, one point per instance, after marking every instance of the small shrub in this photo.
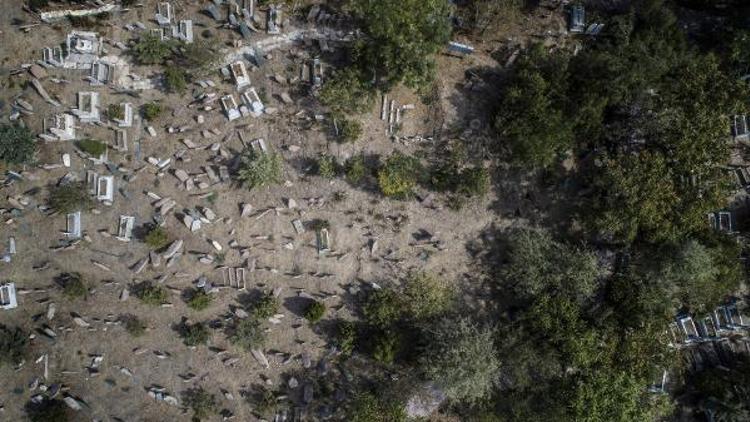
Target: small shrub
(386, 346)
(355, 169)
(13, 345)
(150, 49)
(200, 57)
(346, 337)
(17, 144)
(175, 79)
(194, 334)
(265, 402)
(151, 294)
(92, 147)
(257, 169)
(73, 285)
(426, 296)
(199, 300)
(134, 326)
(399, 175)
(151, 111)
(383, 308)
(248, 334)
(49, 410)
(327, 166)
(157, 237)
(266, 307)
(347, 92)
(475, 181)
(368, 407)
(349, 130)
(315, 312)
(70, 197)
(201, 402)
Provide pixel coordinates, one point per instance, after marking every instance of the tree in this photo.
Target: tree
(400, 37)
(17, 144)
(13, 345)
(259, 169)
(201, 402)
(69, 198)
(399, 175)
(175, 79)
(149, 49)
(347, 92)
(248, 334)
(460, 359)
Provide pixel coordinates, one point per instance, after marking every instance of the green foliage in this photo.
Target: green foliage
(202, 403)
(157, 237)
(349, 130)
(175, 79)
(475, 182)
(17, 144)
(347, 92)
(200, 57)
(382, 308)
(267, 306)
(134, 326)
(425, 296)
(70, 197)
(346, 337)
(315, 311)
(194, 334)
(73, 285)
(368, 407)
(386, 345)
(116, 111)
(248, 334)
(327, 166)
(151, 110)
(355, 169)
(13, 345)
(92, 147)
(49, 410)
(721, 393)
(399, 175)
(199, 300)
(151, 294)
(150, 49)
(400, 37)
(490, 16)
(460, 359)
(265, 402)
(259, 169)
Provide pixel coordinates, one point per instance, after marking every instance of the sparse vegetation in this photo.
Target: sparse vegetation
(202, 403)
(327, 166)
(149, 49)
(258, 170)
(151, 294)
(151, 111)
(17, 144)
(267, 306)
(315, 312)
(194, 334)
(199, 300)
(73, 285)
(248, 334)
(116, 111)
(346, 337)
(175, 79)
(48, 410)
(347, 92)
(355, 169)
(92, 147)
(13, 345)
(134, 326)
(157, 237)
(349, 130)
(70, 197)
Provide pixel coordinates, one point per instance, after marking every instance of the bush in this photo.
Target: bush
(175, 79)
(199, 300)
(134, 326)
(315, 312)
(116, 111)
(259, 169)
(49, 410)
(17, 144)
(70, 197)
(474, 181)
(386, 346)
(266, 307)
(426, 296)
(157, 237)
(151, 294)
(92, 147)
(201, 402)
(368, 407)
(346, 337)
(194, 334)
(347, 92)
(151, 111)
(265, 402)
(349, 130)
(200, 57)
(248, 334)
(13, 345)
(73, 285)
(327, 166)
(355, 169)
(399, 175)
(383, 308)
(150, 49)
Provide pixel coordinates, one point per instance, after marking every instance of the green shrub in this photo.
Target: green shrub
(13, 345)
(265, 402)
(426, 296)
(346, 337)
(355, 169)
(386, 346)
(73, 285)
(475, 181)
(200, 57)
(175, 79)
(368, 407)
(201, 402)
(157, 237)
(327, 166)
(151, 110)
(17, 144)
(194, 334)
(49, 410)
(199, 300)
(151, 294)
(134, 326)
(150, 49)
(349, 130)
(70, 197)
(315, 312)
(248, 334)
(92, 147)
(347, 92)
(259, 169)
(266, 307)
(399, 175)
(383, 308)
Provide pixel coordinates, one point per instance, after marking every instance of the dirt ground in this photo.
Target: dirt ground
(360, 218)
